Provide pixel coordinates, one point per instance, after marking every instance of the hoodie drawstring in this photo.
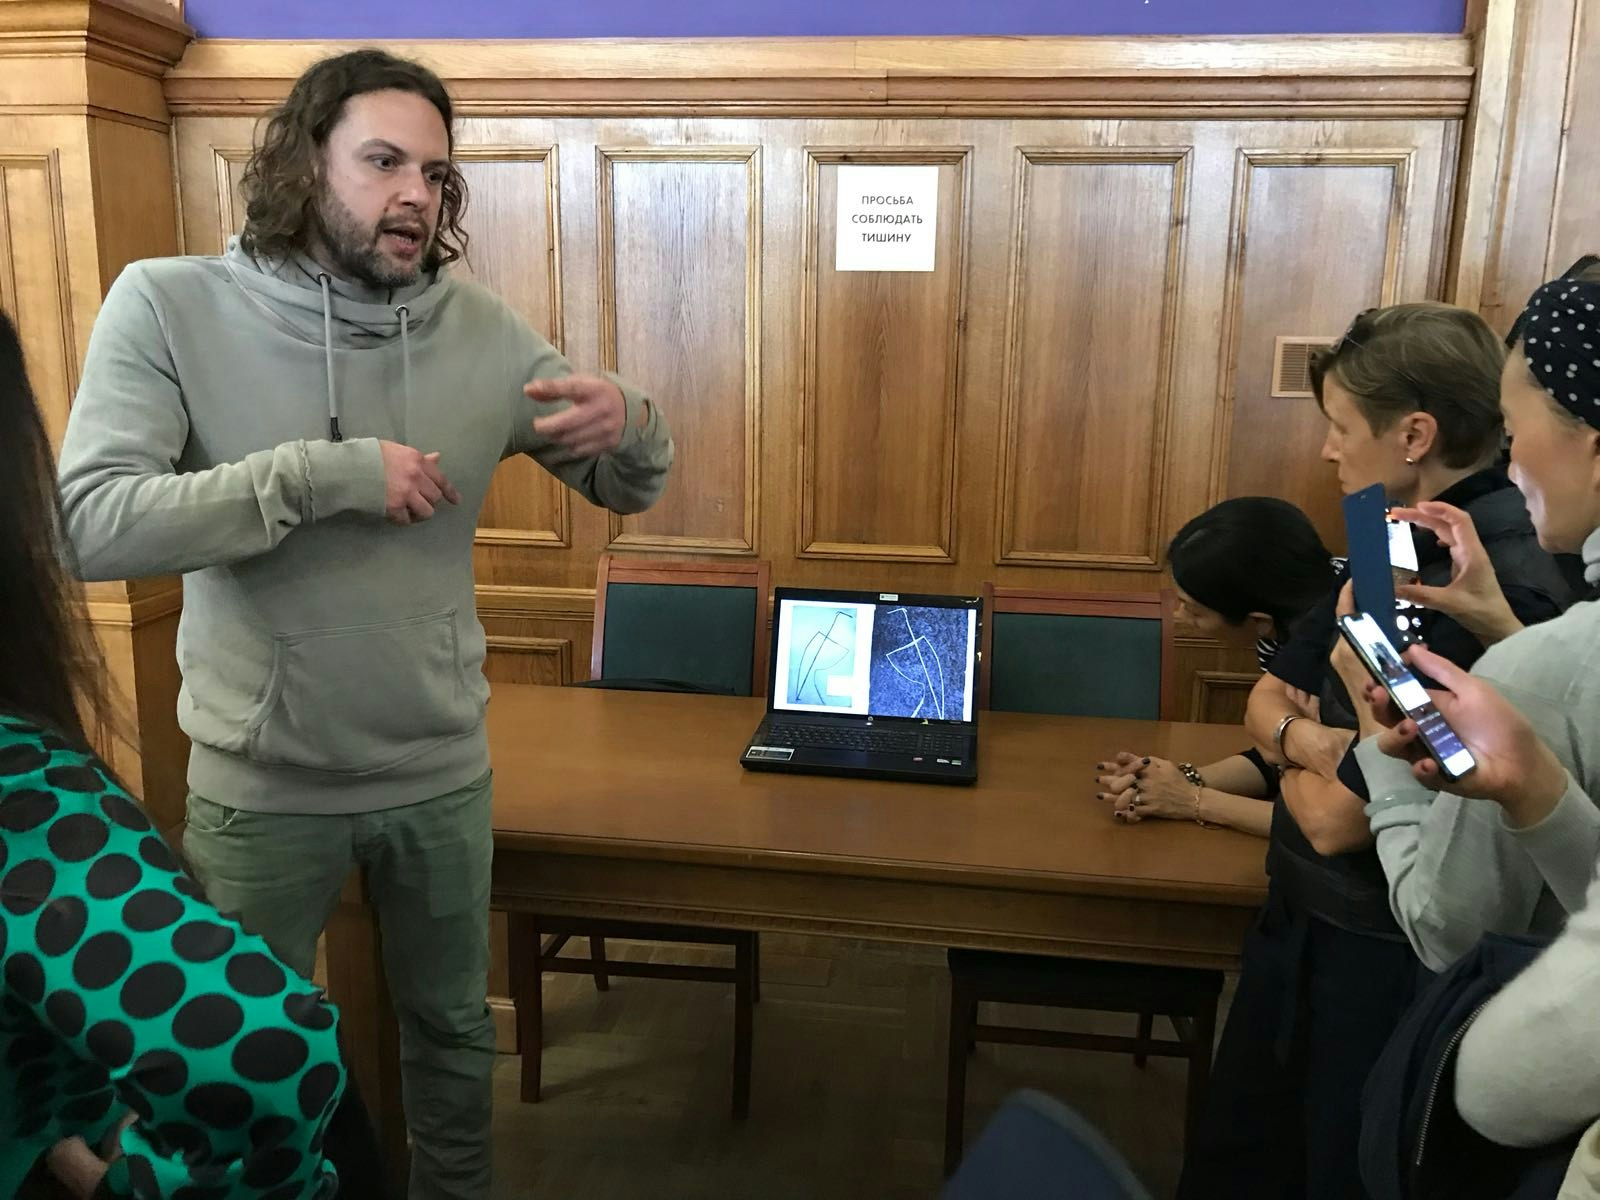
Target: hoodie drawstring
(404, 314)
(327, 355)
(401, 311)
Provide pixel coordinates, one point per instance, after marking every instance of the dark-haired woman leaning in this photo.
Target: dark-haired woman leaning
(1246, 571)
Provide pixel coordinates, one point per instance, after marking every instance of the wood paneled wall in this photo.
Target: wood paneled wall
(1086, 367)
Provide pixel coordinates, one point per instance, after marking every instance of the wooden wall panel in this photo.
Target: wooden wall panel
(227, 167)
(680, 238)
(1531, 151)
(1093, 316)
(1316, 238)
(881, 375)
(513, 219)
(1216, 680)
(537, 635)
(517, 658)
(135, 206)
(211, 154)
(34, 279)
(1576, 230)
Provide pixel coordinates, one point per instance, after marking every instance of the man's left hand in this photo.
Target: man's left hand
(594, 421)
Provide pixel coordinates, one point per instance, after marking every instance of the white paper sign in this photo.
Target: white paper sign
(888, 217)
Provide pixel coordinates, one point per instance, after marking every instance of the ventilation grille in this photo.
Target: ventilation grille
(1291, 365)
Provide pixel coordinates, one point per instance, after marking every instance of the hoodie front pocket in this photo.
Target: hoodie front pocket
(364, 698)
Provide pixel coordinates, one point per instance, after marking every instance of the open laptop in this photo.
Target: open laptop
(876, 684)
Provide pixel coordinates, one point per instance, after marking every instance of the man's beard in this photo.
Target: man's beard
(354, 248)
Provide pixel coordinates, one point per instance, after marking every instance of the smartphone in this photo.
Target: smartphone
(1382, 551)
(1369, 641)
(1403, 569)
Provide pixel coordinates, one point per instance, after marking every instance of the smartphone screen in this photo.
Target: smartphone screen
(1387, 667)
(1403, 565)
(1402, 545)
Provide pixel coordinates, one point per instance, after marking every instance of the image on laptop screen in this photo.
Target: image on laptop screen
(883, 660)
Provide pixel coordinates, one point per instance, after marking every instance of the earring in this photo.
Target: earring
(1410, 462)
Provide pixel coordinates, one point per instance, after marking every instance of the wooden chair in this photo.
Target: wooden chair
(1079, 654)
(1082, 654)
(703, 625)
(658, 625)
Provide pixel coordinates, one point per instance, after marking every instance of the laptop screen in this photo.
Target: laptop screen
(875, 656)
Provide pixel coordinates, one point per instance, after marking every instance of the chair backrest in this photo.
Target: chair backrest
(1084, 654)
(703, 623)
(1038, 1148)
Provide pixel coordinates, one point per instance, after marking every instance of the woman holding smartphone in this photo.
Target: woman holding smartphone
(1511, 846)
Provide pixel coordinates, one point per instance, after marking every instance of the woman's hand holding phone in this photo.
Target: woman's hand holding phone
(1473, 596)
(1357, 679)
(1515, 768)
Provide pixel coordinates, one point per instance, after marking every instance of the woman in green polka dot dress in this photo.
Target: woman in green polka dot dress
(133, 1016)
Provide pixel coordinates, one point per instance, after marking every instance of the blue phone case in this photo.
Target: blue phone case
(1366, 529)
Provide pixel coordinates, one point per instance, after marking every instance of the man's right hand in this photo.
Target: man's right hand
(414, 483)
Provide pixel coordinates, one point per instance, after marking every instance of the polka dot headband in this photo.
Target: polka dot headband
(1561, 337)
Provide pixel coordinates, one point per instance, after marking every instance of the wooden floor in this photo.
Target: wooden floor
(847, 1096)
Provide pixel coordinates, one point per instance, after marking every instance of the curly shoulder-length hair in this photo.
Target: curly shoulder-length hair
(280, 182)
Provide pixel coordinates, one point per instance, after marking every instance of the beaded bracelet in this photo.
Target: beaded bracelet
(1194, 777)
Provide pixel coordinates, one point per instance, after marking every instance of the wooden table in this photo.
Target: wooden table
(634, 805)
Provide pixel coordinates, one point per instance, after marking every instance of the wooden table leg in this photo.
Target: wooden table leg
(356, 983)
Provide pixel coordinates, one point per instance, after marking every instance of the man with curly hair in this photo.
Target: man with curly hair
(306, 427)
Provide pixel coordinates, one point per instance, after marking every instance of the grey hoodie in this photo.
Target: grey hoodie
(331, 660)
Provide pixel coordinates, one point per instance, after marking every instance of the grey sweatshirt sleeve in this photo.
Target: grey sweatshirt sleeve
(1455, 869)
(131, 512)
(627, 480)
(1526, 1073)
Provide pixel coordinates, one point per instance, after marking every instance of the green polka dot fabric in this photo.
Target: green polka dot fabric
(122, 991)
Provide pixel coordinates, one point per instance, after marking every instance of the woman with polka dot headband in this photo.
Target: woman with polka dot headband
(1511, 846)
(134, 1018)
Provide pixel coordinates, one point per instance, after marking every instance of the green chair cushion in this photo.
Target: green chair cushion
(1076, 665)
(687, 632)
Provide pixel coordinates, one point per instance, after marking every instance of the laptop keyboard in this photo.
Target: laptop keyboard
(829, 737)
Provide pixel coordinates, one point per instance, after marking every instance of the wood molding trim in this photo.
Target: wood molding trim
(122, 33)
(558, 650)
(547, 603)
(97, 58)
(1206, 685)
(139, 609)
(1389, 76)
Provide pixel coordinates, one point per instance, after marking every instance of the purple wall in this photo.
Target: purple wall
(389, 19)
